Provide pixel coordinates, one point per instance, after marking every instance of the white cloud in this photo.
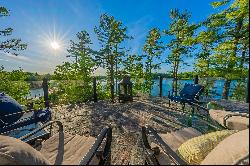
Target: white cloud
(8, 56)
(4, 60)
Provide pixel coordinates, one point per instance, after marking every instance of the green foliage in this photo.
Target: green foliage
(81, 47)
(186, 75)
(9, 45)
(239, 92)
(34, 103)
(219, 3)
(75, 80)
(181, 33)
(153, 49)
(74, 86)
(110, 34)
(230, 55)
(36, 76)
(133, 67)
(222, 42)
(14, 85)
(70, 91)
(103, 91)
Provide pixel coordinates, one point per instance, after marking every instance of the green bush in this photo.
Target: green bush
(13, 84)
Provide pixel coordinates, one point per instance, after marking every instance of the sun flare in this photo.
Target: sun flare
(55, 45)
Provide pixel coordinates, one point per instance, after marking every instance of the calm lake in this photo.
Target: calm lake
(167, 86)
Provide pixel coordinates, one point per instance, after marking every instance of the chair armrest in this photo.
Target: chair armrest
(41, 128)
(168, 151)
(200, 107)
(213, 123)
(106, 131)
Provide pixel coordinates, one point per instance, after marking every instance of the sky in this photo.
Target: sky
(42, 22)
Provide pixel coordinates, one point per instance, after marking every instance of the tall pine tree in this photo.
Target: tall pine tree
(180, 32)
(153, 49)
(110, 33)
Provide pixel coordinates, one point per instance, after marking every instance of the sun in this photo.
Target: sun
(55, 45)
(53, 40)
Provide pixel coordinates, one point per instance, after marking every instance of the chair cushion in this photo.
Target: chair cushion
(66, 149)
(231, 151)
(16, 152)
(196, 149)
(174, 140)
(233, 123)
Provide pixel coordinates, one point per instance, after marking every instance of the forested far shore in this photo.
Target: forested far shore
(32, 77)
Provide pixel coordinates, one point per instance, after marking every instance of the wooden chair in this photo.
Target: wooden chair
(63, 148)
(163, 149)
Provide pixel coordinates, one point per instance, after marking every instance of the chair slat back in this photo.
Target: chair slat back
(190, 91)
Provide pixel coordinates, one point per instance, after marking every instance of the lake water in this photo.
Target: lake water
(166, 86)
(36, 93)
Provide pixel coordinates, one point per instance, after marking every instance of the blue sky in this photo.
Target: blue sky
(38, 22)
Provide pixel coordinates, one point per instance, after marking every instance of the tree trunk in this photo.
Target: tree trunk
(174, 90)
(176, 77)
(243, 60)
(112, 80)
(232, 64)
(225, 93)
(207, 73)
(116, 69)
(173, 82)
(241, 66)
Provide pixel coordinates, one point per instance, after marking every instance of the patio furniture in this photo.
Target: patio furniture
(60, 149)
(27, 118)
(189, 94)
(14, 118)
(220, 147)
(230, 120)
(8, 105)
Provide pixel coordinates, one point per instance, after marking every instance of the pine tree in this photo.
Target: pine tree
(110, 34)
(181, 33)
(153, 49)
(230, 53)
(9, 45)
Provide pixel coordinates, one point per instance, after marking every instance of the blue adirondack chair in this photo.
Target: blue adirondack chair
(189, 94)
(13, 117)
(9, 106)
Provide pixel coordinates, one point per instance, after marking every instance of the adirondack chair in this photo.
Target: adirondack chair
(58, 149)
(8, 105)
(189, 94)
(17, 122)
(28, 121)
